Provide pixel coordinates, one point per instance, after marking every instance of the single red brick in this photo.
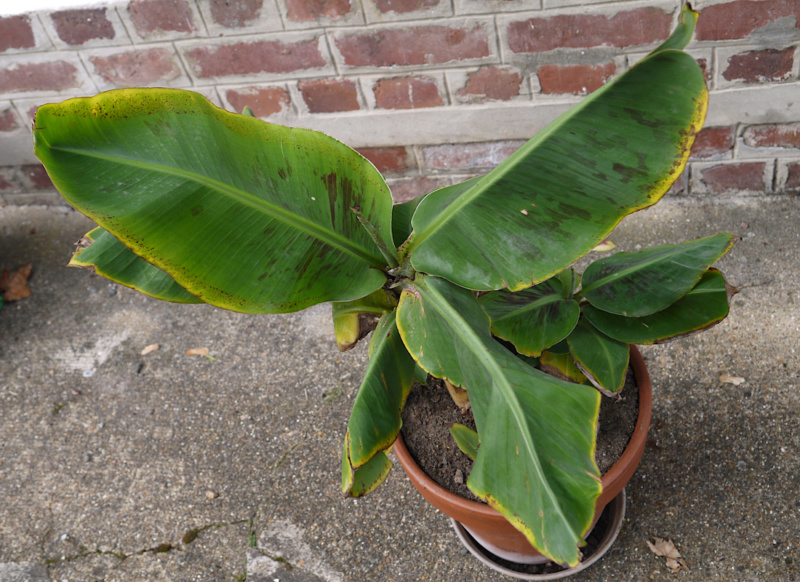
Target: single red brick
(264, 101)
(470, 155)
(786, 135)
(235, 13)
(389, 159)
(492, 83)
(304, 10)
(422, 45)
(740, 18)
(151, 16)
(793, 176)
(743, 176)
(16, 33)
(577, 79)
(48, 76)
(329, 95)
(8, 121)
(407, 93)
(257, 57)
(713, 141)
(5, 184)
(37, 176)
(76, 27)
(405, 190)
(769, 65)
(631, 28)
(134, 68)
(404, 6)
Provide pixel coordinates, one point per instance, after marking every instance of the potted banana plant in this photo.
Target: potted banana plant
(195, 204)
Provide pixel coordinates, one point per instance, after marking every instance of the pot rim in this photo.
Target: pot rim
(613, 481)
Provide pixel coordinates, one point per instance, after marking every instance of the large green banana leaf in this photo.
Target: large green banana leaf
(639, 283)
(113, 260)
(536, 462)
(375, 419)
(245, 215)
(560, 194)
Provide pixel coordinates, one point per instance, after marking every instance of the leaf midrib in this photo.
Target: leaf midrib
(329, 237)
(617, 275)
(532, 306)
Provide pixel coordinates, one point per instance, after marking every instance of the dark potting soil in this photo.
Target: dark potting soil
(430, 412)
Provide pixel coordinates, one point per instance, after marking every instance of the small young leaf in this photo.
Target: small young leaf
(466, 439)
(604, 361)
(532, 319)
(353, 320)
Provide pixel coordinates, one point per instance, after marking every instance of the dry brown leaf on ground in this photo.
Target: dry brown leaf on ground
(666, 549)
(197, 352)
(14, 286)
(728, 379)
(150, 348)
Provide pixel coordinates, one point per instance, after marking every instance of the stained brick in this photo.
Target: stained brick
(36, 176)
(47, 76)
(8, 121)
(405, 190)
(739, 19)
(152, 16)
(793, 176)
(256, 57)
(469, 156)
(413, 46)
(264, 101)
(329, 95)
(235, 13)
(735, 177)
(305, 10)
(631, 28)
(785, 135)
(405, 6)
(577, 79)
(389, 159)
(491, 83)
(770, 65)
(134, 68)
(77, 27)
(407, 93)
(713, 141)
(679, 185)
(16, 33)
(5, 184)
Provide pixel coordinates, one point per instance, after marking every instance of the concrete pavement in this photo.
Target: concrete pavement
(117, 466)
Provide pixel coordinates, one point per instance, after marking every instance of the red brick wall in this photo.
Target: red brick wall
(432, 91)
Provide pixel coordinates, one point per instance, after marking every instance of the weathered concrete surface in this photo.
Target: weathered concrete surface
(111, 461)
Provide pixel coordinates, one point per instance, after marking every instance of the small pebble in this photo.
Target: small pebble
(459, 477)
(211, 495)
(741, 465)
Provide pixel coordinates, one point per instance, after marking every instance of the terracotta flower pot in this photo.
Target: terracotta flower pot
(489, 527)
